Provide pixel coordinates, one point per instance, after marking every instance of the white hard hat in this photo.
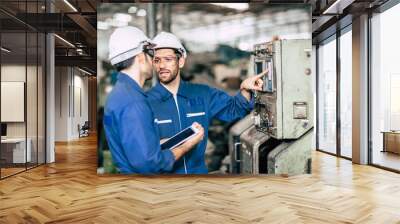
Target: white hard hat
(168, 40)
(126, 42)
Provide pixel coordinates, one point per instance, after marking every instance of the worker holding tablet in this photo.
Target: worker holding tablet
(128, 120)
(176, 103)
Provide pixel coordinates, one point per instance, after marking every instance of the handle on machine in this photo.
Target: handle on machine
(236, 151)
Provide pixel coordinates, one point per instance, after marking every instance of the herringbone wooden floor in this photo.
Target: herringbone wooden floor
(69, 191)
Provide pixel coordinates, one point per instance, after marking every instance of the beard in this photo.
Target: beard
(166, 76)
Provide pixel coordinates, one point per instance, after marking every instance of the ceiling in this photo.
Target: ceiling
(203, 27)
(74, 22)
(330, 15)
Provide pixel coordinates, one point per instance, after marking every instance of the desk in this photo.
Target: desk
(391, 141)
(13, 150)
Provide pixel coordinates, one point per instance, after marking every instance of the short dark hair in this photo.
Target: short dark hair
(178, 53)
(124, 64)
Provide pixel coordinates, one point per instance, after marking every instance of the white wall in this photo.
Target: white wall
(16, 73)
(80, 88)
(62, 82)
(70, 83)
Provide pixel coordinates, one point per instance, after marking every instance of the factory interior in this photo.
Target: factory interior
(337, 160)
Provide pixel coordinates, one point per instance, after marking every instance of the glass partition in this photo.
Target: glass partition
(14, 154)
(385, 89)
(327, 96)
(22, 88)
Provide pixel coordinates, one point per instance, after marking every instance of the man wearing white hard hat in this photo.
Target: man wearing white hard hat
(128, 120)
(176, 103)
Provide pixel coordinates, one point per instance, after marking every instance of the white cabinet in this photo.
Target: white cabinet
(18, 149)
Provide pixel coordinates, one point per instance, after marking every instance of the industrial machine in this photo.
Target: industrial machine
(279, 139)
(234, 141)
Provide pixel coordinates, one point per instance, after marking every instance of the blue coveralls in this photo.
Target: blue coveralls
(131, 133)
(195, 102)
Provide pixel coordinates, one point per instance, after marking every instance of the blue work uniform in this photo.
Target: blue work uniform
(130, 130)
(194, 103)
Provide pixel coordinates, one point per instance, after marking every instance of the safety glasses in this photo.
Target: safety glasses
(167, 60)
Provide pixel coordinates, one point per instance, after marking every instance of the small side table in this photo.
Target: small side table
(391, 141)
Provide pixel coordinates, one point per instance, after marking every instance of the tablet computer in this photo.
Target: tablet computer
(180, 138)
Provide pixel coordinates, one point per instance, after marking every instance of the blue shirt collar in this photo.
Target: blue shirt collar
(124, 78)
(183, 90)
